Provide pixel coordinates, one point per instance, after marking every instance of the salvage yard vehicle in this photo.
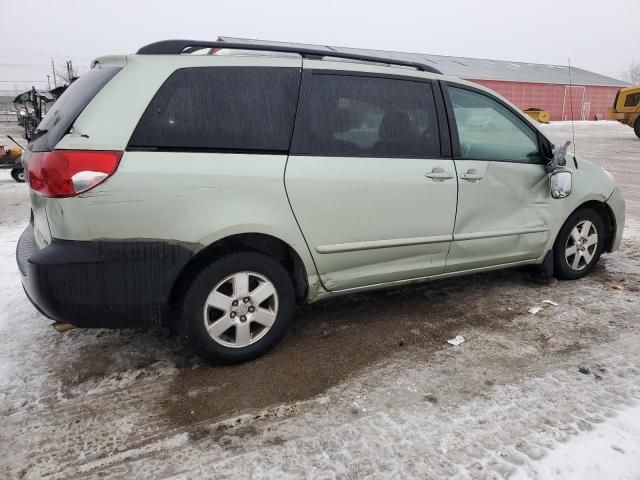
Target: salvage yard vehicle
(11, 158)
(626, 108)
(214, 192)
(31, 106)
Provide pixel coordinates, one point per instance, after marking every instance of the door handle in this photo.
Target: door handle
(438, 174)
(472, 175)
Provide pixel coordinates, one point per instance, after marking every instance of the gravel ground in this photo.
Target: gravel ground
(362, 387)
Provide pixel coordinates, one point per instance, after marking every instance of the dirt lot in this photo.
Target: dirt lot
(363, 386)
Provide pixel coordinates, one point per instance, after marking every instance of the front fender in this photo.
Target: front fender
(590, 184)
(617, 206)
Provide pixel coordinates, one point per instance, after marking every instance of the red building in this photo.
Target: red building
(586, 96)
(564, 102)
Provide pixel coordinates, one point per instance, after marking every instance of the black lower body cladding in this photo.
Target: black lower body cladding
(104, 284)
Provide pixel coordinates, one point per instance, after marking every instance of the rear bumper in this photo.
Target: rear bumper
(107, 284)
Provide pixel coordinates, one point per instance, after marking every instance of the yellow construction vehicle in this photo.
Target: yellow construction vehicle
(538, 114)
(626, 108)
(12, 158)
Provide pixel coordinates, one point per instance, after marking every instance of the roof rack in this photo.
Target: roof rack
(175, 47)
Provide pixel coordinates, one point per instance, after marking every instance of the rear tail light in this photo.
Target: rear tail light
(66, 173)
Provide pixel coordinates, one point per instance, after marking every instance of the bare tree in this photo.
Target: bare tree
(632, 74)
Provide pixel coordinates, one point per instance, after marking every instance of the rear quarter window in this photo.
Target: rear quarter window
(221, 108)
(68, 107)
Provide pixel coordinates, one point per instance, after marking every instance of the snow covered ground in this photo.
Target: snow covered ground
(364, 386)
(611, 451)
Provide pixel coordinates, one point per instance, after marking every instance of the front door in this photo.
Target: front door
(504, 206)
(366, 180)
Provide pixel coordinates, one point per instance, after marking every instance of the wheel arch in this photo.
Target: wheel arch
(267, 244)
(607, 216)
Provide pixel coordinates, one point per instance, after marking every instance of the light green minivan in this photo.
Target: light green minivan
(214, 192)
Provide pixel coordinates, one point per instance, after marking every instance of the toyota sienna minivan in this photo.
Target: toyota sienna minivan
(214, 192)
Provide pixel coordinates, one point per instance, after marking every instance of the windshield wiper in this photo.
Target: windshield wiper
(38, 133)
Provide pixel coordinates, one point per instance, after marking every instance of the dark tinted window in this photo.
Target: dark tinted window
(70, 104)
(366, 116)
(632, 100)
(222, 108)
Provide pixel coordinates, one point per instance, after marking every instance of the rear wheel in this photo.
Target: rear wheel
(18, 175)
(238, 308)
(636, 127)
(579, 244)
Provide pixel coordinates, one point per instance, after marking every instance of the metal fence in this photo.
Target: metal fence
(8, 112)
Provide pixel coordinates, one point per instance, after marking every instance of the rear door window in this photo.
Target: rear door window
(221, 108)
(71, 103)
(352, 115)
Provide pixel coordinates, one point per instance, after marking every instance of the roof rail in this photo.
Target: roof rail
(175, 47)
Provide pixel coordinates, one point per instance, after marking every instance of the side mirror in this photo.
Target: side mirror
(559, 158)
(560, 183)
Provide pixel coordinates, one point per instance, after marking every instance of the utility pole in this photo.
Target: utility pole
(49, 81)
(53, 70)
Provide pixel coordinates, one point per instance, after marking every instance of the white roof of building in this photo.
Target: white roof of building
(476, 68)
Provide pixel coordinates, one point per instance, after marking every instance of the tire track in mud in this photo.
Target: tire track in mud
(393, 430)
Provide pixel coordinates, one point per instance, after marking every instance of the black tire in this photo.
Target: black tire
(18, 175)
(563, 269)
(192, 321)
(636, 127)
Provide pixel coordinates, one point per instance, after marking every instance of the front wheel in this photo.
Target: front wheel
(237, 308)
(18, 175)
(579, 244)
(636, 127)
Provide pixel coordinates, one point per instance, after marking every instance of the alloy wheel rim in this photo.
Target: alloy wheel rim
(240, 309)
(581, 245)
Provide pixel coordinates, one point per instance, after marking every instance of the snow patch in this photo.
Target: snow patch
(610, 451)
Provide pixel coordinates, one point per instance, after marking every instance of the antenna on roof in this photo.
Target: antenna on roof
(573, 129)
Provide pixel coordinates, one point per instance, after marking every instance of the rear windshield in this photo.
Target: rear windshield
(64, 112)
(233, 109)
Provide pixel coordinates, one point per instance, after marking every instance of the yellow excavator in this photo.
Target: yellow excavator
(626, 108)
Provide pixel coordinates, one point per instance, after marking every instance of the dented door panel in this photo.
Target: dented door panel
(504, 216)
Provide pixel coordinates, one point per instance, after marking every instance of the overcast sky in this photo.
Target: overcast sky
(602, 36)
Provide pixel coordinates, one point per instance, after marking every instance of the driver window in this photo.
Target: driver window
(489, 131)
